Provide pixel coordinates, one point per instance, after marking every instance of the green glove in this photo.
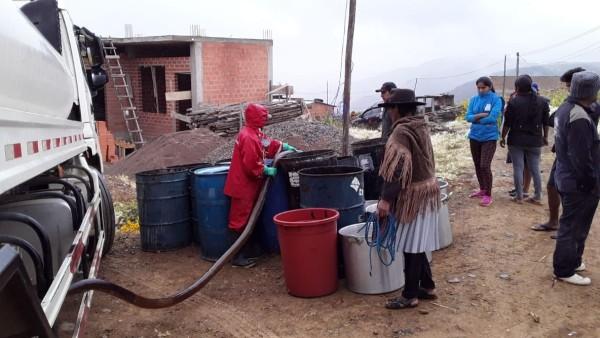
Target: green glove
(287, 147)
(268, 171)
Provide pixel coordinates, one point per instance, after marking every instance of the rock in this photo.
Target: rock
(471, 275)
(504, 276)
(572, 334)
(454, 280)
(535, 317)
(423, 312)
(105, 310)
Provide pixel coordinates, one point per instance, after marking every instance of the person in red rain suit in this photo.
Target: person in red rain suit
(247, 173)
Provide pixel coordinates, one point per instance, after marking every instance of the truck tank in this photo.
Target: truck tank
(35, 77)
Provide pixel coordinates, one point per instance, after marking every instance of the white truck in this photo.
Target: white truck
(56, 213)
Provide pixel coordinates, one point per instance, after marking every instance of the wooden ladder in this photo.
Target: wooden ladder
(123, 91)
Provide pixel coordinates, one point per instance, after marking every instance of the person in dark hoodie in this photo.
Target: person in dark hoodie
(552, 193)
(577, 175)
(526, 125)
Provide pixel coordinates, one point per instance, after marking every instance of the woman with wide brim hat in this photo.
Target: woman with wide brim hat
(410, 195)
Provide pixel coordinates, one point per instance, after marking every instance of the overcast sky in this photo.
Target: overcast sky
(389, 34)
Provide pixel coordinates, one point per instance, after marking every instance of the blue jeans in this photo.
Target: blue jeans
(533, 155)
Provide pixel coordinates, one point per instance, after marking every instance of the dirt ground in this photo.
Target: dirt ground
(503, 268)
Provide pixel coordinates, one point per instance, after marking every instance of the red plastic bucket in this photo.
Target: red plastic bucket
(308, 241)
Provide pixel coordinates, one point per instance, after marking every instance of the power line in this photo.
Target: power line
(558, 44)
(337, 93)
(461, 74)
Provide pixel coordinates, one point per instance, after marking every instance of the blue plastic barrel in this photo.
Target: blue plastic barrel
(340, 188)
(189, 168)
(212, 211)
(276, 202)
(164, 209)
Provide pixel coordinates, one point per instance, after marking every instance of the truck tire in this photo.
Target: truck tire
(108, 214)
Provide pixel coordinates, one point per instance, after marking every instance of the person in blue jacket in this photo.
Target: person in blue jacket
(483, 112)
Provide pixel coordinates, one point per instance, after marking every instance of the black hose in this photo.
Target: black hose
(157, 303)
(42, 235)
(81, 206)
(38, 264)
(87, 186)
(89, 174)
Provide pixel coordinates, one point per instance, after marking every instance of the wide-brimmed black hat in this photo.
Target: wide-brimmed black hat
(386, 87)
(402, 97)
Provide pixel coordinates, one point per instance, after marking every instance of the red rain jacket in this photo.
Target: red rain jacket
(245, 176)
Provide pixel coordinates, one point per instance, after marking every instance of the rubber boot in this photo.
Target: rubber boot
(249, 254)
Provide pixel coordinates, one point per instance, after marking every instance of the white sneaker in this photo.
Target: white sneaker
(581, 267)
(577, 280)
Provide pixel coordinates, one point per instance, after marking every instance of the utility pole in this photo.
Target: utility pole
(348, 78)
(327, 89)
(416, 81)
(504, 77)
(518, 56)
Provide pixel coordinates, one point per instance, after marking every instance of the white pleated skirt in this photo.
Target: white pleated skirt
(421, 235)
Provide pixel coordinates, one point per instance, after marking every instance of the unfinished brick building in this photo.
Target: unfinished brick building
(172, 73)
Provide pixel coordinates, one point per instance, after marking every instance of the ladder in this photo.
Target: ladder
(123, 91)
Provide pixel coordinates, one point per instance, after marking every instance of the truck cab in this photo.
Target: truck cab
(56, 214)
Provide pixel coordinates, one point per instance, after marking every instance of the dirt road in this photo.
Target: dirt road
(504, 272)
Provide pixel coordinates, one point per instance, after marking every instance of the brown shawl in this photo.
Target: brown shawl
(409, 162)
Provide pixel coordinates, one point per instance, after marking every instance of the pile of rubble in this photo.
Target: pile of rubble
(184, 147)
(302, 134)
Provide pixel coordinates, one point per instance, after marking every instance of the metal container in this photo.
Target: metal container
(347, 161)
(365, 273)
(370, 155)
(340, 188)
(189, 168)
(445, 227)
(443, 185)
(164, 208)
(212, 210)
(291, 164)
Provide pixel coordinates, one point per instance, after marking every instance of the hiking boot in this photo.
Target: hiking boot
(475, 194)
(576, 280)
(241, 261)
(248, 254)
(486, 201)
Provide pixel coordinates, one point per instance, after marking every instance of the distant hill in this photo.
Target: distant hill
(467, 89)
(429, 73)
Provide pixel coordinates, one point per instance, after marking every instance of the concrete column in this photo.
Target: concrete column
(197, 73)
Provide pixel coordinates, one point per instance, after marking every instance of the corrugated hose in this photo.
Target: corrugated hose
(157, 303)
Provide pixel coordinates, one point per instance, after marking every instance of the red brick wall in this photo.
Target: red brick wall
(234, 72)
(152, 124)
(320, 111)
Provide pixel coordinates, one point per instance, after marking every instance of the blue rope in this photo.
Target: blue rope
(381, 238)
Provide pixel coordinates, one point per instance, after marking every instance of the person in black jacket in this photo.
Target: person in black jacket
(526, 124)
(577, 175)
(552, 193)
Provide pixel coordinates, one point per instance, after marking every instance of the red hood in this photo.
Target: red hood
(256, 115)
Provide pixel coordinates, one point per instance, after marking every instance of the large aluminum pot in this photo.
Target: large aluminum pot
(365, 273)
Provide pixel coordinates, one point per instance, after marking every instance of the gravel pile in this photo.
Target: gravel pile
(301, 134)
(184, 147)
